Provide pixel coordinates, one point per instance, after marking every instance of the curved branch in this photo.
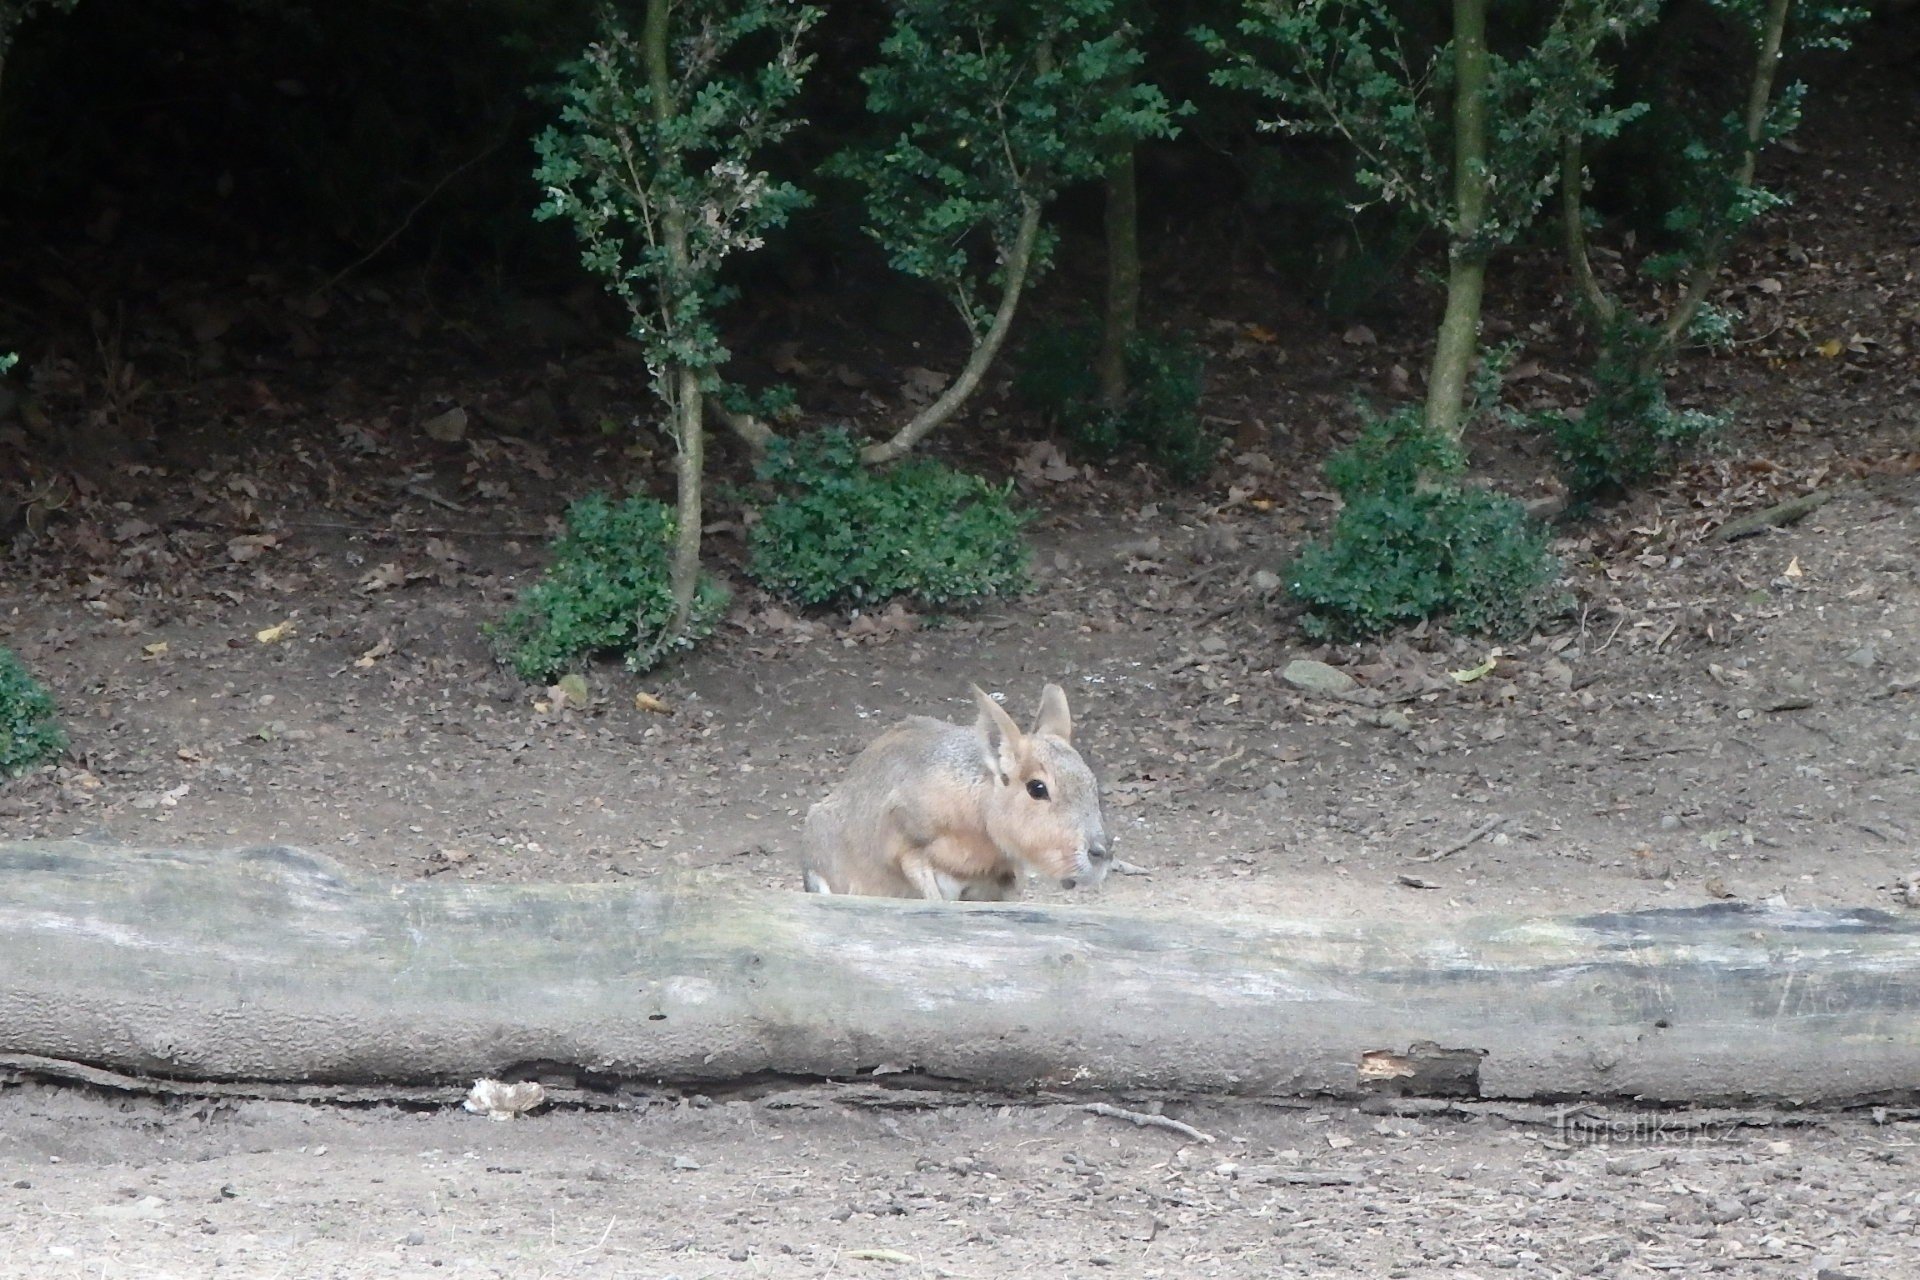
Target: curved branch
(1759, 96)
(986, 347)
(1572, 219)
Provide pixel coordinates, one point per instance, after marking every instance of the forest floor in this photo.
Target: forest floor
(268, 629)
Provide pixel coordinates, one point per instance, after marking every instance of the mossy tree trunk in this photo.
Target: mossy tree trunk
(685, 401)
(1459, 339)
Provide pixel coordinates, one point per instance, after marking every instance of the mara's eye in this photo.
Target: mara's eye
(1037, 789)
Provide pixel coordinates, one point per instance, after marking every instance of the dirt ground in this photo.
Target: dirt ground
(802, 1186)
(1737, 720)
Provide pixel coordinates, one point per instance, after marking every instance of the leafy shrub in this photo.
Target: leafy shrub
(606, 591)
(1409, 545)
(1160, 419)
(29, 730)
(1628, 433)
(838, 531)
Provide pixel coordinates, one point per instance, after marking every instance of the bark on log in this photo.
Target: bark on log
(271, 964)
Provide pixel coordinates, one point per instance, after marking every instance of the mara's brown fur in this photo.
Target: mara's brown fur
(947, 811)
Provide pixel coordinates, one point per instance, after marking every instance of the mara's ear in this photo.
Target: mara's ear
(1054, 718)
(1000, 737)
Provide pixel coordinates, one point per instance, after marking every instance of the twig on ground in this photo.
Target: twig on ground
(1148, 1120)
(1480, 832)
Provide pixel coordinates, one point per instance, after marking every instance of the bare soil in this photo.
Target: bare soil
(800, 1185)
(268, 629)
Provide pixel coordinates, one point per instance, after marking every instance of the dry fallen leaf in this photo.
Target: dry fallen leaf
(1043, 461)
(569, 690)
(1794, 570)
(1474, 673)
(644, 701)
(449, 427)
(920, 386)
(1831, 347)
(275, 634)
(154, 650)
(497, 1100)
(382, 577)
(373, 655)
(248, 546)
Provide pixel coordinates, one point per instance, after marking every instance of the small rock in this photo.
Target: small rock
(1265, 580)
(448, 427)
(1866, 657)
(1318, 677)
(146, 1208)
(414, 1238)
(1725, 1209)
(685, 1164)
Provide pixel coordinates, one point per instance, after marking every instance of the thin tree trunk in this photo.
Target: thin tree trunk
(1467, 252)
(1123, 278)
(986, 347)
(689, 470)
(1573, 223)
(686, 403)
(1759, 95)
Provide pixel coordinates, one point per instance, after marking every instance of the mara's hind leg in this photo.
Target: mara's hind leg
(998, 887)
(818, 839)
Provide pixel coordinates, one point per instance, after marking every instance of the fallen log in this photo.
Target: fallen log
(272, 964)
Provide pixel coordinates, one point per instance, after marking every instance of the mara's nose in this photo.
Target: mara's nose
(1098, 851)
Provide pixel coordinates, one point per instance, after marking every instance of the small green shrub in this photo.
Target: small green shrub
(1410, 545)
(838, 531)
(30, 732)
(606, 591)
(1161, 417)
(1628, 433)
